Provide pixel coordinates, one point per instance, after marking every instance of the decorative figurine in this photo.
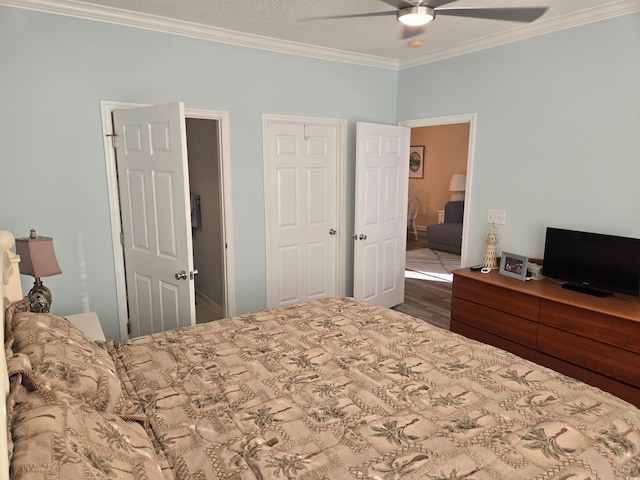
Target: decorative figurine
(490, 260)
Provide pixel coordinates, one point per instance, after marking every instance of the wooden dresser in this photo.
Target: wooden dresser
(596, 340)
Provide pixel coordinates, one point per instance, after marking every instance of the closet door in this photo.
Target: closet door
(301, 192)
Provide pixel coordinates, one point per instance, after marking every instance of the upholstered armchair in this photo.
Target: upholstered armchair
(447, 236)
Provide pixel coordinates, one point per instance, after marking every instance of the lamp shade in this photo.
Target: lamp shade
(458, 182)
(37, 257)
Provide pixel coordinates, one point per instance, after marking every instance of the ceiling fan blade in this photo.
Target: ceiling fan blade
(400, 3)
(513, 14)
(436, 3)
(355, 15)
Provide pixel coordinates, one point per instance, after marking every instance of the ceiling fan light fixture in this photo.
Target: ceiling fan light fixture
(416, 16)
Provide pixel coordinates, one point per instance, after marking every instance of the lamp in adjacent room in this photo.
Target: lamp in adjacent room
(458, 185)
(38, 259)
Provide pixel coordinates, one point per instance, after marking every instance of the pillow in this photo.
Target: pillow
(58, 437)
(63, 358)
(18, 366)
(13, 309)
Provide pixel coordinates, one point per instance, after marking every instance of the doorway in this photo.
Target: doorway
(203, 141)
(218, 123)
(469, 119)
(427, 279)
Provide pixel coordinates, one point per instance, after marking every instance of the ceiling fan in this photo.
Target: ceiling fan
(416, 14)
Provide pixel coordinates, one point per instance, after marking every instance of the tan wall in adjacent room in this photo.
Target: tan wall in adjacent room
(446, 152)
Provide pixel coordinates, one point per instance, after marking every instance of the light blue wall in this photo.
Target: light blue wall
(558, 131)
(54, 70)
(557, 140)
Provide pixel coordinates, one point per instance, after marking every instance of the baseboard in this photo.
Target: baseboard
(210, 304)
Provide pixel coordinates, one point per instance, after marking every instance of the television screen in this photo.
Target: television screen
(595, 263)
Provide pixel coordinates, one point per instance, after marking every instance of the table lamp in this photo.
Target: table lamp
(38, 259)
(457, 186)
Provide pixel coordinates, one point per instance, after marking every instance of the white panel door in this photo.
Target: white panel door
(154, 195)
(382, 181)
(301, 211)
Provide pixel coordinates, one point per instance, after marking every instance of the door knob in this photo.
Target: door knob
(332, 231)
(362, 236)
(182, 275)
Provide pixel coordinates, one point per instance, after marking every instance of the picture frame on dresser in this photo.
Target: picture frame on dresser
(514, 266)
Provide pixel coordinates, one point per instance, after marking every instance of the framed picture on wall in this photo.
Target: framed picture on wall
(416, 161)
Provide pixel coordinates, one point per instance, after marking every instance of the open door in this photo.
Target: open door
(154, 202)
(382, 182)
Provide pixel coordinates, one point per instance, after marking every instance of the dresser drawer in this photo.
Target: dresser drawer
(590, 354)
(627, 392)
(516, 329)
(486, 337)
(594, 340)
(499, 298)
(608, 329)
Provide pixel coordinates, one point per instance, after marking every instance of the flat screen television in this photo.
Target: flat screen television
(592, 263)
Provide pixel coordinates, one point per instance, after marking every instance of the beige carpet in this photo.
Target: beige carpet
(427, 264)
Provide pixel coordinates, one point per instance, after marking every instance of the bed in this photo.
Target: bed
(329, 389)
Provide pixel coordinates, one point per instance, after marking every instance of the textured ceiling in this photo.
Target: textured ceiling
(298, 21)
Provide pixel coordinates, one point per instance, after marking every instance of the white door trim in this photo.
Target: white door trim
(471, 119)
(344, 239)
(106, 108)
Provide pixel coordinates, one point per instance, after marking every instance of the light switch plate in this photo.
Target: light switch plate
(496, 216)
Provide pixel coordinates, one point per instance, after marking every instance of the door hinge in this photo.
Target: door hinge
(128, 327)
(122, 238)
(114, 139)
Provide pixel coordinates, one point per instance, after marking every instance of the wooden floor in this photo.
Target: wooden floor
(427, 296)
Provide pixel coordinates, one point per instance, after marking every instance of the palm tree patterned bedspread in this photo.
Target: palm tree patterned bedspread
(343, 389)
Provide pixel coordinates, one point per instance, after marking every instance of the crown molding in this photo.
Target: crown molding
(189, 29)
(156, 23)
(541, 27)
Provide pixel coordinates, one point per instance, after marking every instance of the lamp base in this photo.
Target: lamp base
(39, 297)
